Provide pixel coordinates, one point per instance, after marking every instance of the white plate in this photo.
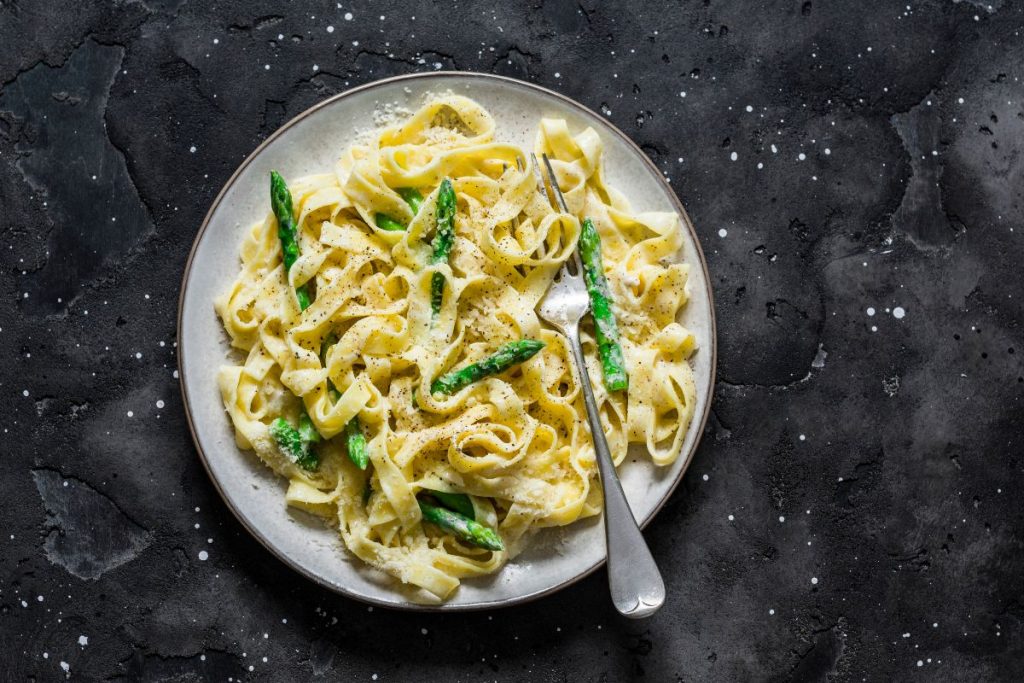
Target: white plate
(311, 143)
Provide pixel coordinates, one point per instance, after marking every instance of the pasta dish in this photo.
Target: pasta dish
(393, 369)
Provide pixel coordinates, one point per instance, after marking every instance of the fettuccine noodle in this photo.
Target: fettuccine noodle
(517, 443)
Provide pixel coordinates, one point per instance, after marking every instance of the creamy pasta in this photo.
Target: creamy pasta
(517, 443)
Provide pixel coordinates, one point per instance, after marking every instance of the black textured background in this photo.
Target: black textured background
(854, 511)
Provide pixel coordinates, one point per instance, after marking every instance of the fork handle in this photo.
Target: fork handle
(636, 585)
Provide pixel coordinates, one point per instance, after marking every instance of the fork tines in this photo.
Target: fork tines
(557, 192)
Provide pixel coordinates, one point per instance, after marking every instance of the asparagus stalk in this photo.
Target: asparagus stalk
(457, 502)
(297, 443)
(504, 358)
(386, 222)
(606, 332)
(462, 527)
(307, 430)
(355, 440)
(443, 239)
(281, 203)
(412, 197)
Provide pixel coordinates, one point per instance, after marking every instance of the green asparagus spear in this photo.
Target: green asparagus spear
(463, 527)
(281, 203)
(355, 441)
(504, 358)
(386, 222)
(606, 332)
(307, 431)
(458, 502)
(297, 443)
(412, 197)
(443, 239)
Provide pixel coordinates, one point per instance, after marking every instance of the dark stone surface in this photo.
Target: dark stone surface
(878, 165)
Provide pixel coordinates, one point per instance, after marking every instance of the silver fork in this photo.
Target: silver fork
(636, 585)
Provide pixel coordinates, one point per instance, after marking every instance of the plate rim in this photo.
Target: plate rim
(698, 423)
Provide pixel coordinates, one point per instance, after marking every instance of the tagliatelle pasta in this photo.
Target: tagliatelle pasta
(517, 442)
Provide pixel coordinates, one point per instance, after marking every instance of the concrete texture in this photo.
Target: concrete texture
(854, 171)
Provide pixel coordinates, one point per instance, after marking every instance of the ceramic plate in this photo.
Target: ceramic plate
(311, 143)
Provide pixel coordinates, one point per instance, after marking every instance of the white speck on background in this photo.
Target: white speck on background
(871, 310)
(731, 518)
(803, 437)
(898, 312)
(705, 477)
(130, 413)
(827, 151)
(203, 555)
(734, 156)
(267, 67)
(330, 29)
(814, 580)
(83, 640)
(25, 393)
(722, 232)
(160, 404)
(749, 108)
(782, 519)
(192, 149)
(771, 611)
(348, 16)
(775, 150)
(801, 156)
